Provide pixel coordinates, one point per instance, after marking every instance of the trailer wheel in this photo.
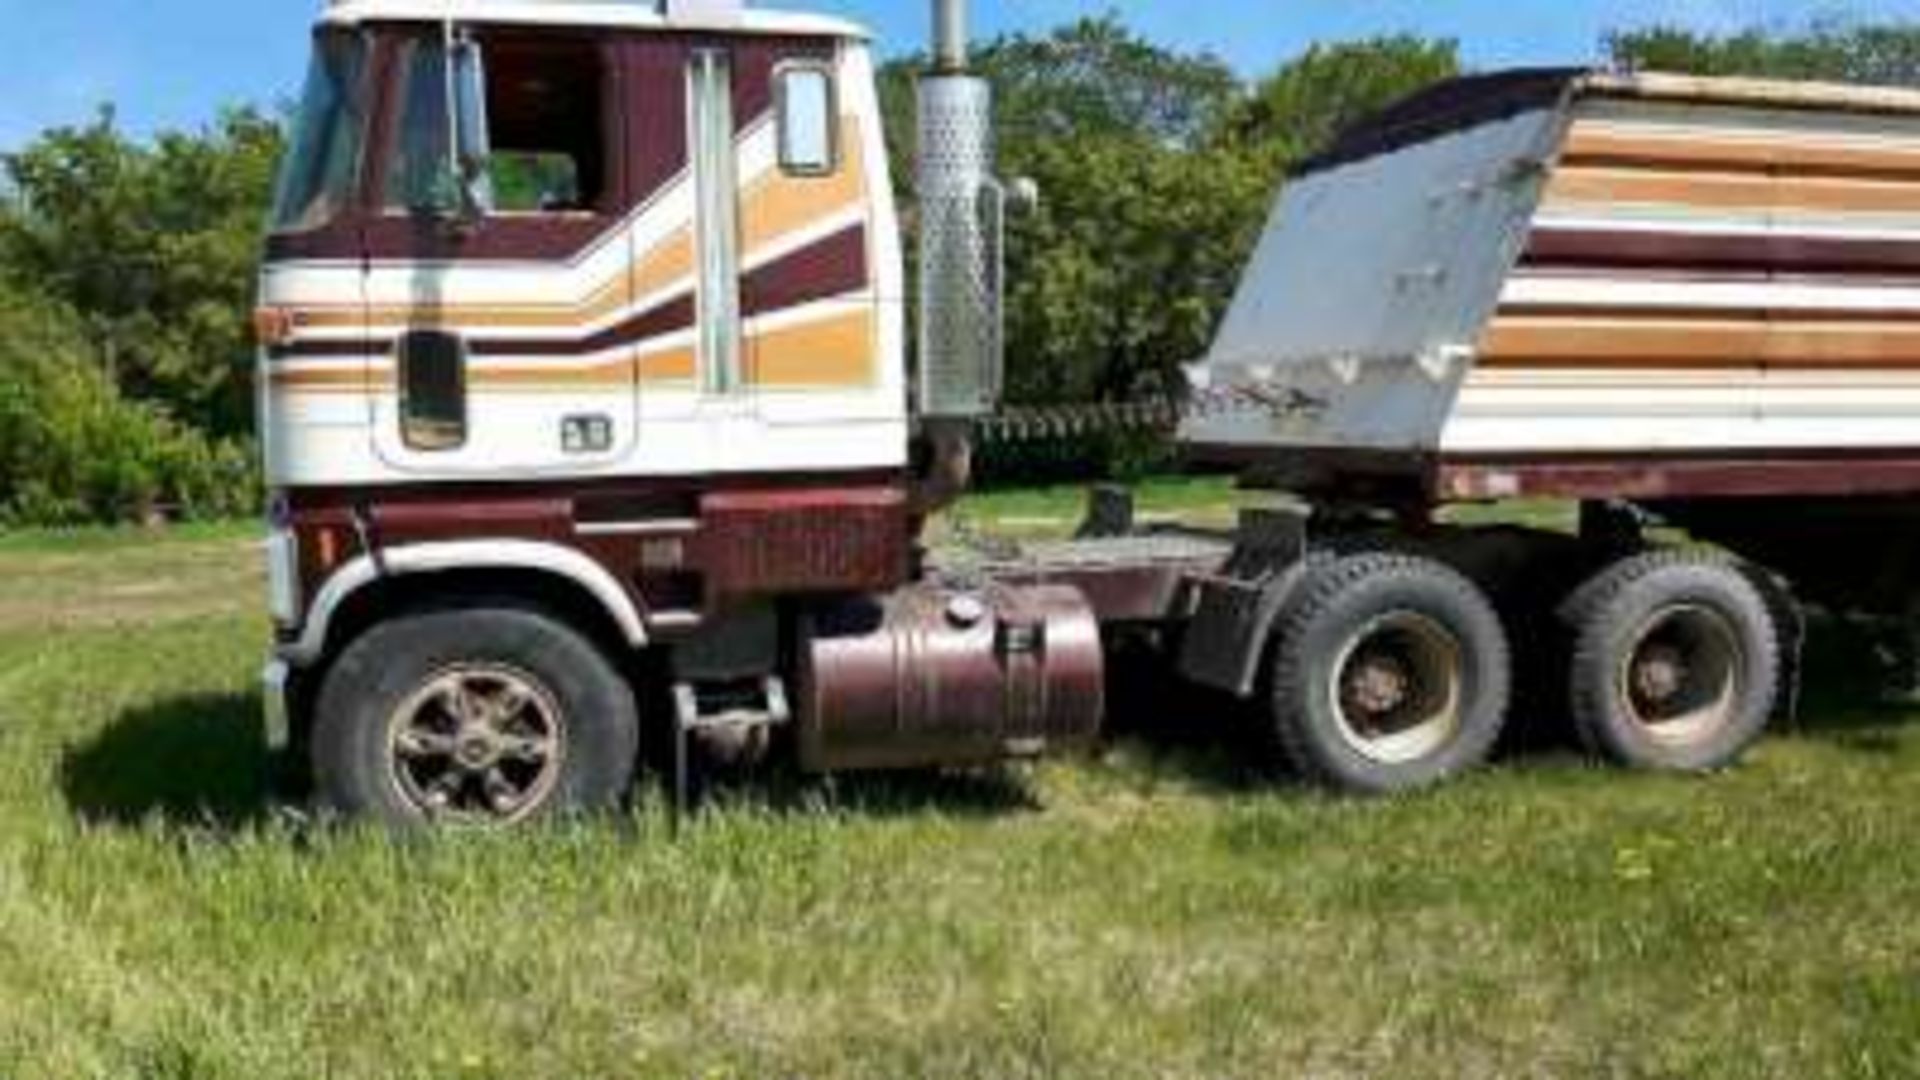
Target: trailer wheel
(1388, 673)
(473, 717)
(1675, 662)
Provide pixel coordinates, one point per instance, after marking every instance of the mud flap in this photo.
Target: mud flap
(1235, 610)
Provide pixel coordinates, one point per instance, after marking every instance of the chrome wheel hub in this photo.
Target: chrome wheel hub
(477, 744)
(1682, 680)
(1397, 689)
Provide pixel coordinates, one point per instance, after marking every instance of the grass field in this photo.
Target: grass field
(1166, 910)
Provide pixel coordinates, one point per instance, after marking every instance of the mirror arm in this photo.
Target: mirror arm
(449, 46)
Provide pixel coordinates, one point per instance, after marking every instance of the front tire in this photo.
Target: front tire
(1389, 673)
(474, 717)
(1676, 662)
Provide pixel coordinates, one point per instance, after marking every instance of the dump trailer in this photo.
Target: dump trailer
(1591, 286)
(591, 429)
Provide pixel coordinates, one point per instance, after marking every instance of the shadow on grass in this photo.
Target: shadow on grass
(1155, 723)
(973, 794)
(1219, 743)
(190, 762)
(201, 762)
(1846, 692)
(1179, 731)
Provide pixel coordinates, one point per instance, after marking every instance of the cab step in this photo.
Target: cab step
(741, 708)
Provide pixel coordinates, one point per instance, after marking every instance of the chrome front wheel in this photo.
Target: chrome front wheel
(479, 744)
(474, 717)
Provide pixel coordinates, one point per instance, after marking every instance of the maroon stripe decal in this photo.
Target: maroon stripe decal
(1771, 474)
(755, 61)
(615, 498)
(1808, 170)
(677, 314)
(666, 318)
(832, 267)
(836, 266)
(330, 350)
(531, 238)
(1652, 312)
(1582, 248)
(1679, 275)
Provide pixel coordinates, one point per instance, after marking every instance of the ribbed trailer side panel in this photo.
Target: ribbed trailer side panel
(1710, 278)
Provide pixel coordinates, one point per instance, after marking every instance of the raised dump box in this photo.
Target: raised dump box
(1561, 283)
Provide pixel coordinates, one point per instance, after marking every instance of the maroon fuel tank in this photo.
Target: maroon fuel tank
(933, 676)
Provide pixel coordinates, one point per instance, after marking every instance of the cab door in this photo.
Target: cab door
(786, 336)
(501, 299)
(807, 234)
(699, 412)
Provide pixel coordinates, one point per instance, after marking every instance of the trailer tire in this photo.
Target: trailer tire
(1675, 662)
(1388, 673)
(475, 716)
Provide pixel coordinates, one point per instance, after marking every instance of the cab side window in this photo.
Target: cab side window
(548, 119)
(805, 97)
(546, 126)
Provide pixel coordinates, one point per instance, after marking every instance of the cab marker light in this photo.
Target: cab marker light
(272, 326)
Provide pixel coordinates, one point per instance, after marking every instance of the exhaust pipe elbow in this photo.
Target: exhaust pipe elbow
(947, 473)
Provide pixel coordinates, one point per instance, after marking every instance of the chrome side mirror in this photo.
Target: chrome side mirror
(467, 110)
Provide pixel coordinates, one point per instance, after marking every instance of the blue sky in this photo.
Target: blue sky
(173, 63)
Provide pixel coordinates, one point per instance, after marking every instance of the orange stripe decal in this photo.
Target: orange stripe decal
(1616, 342)
(1586, 186)
(1591, 144)
(836, 352)
(673, 365)
(777, 205)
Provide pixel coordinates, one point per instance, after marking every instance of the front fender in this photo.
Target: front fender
(412, 560)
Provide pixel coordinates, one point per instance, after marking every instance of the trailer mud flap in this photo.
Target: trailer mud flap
(1235, 609)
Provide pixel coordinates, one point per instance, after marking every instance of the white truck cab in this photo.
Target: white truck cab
(584, 347)
(651, 244)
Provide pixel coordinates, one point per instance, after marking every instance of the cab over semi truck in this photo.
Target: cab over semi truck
(586, 395)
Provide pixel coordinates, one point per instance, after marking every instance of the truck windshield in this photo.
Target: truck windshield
(323, 158)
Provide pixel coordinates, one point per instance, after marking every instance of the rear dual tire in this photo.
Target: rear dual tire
(1675, 662)
(1387, 673)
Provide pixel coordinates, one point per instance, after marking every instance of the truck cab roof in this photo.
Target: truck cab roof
(1470, 101)
(619, 14)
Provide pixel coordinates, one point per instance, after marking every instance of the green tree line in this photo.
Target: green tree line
(126, 266)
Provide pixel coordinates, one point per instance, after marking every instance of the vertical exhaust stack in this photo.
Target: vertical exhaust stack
(962, 221)
(961, 213)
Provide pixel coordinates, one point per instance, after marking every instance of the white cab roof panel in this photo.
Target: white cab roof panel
(622, 14)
